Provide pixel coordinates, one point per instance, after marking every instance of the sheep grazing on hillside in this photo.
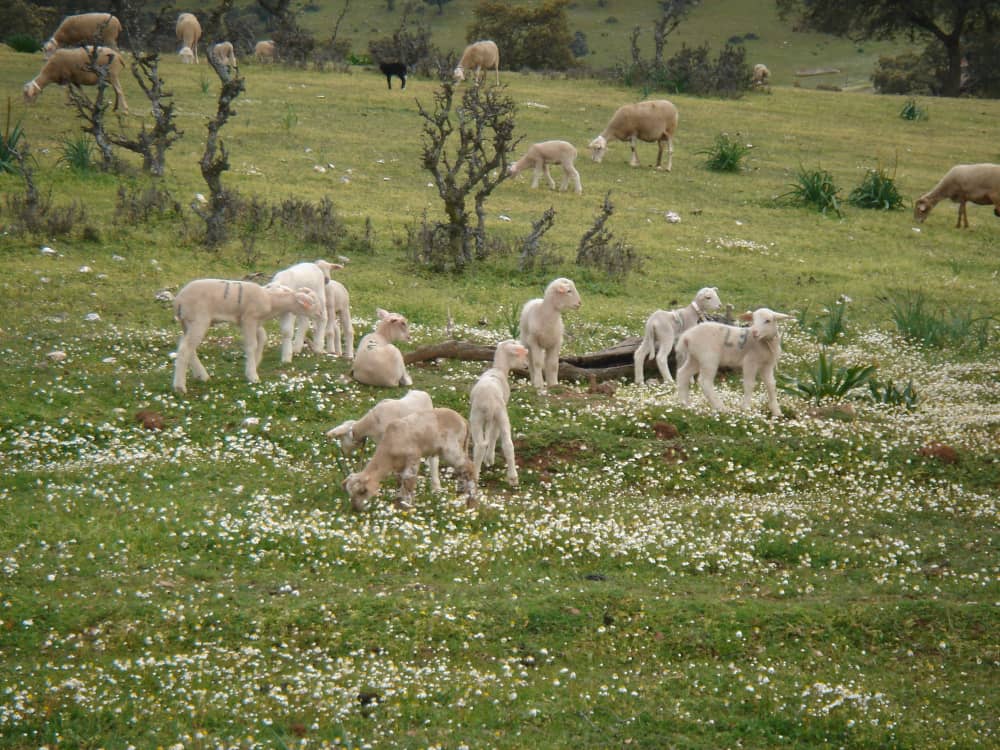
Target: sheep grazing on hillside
(391, 69)
(478, 57)
(541, 330)
(756, 349)
(339, 329)
(540, 155)
(224, 54)
(761, 76)
(963, 183)
(84, 28)
(203, 302)
(645, 121)
(377, 361)
(74, 66)
(293, 327)
(188, 34)
(488, 418)
(664, 327)
(264, 52)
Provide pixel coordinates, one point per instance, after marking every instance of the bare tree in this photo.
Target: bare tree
(92, 111)
(530, 248)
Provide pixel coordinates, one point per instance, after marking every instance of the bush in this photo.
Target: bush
(535, 38)
(726, 154)
(692, 71)
(815, 188)
(908, 73)
(827, 381)
(877, 190)
(78, 154)
(23, 43)
(912, 111)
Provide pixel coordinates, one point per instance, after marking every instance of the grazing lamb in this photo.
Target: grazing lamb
(440, 432)
(542, 330)
(264, 51)
(338, 320)
(978, 183)
(84, 28)
(203, 302)
(761, 75)
(488, 418)
(478, 56)
(377, 361)
(397, 69)
(188, 34)
(74, 66)
(645, 121)
(541, 155)
(664, 327)
(293, 328)
(223, 54)
(709, 345)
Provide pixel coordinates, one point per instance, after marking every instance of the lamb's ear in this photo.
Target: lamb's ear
(565, 287)
(306, 299)
(382, 314)
(782, 316)
(746, 317)
(340, 430)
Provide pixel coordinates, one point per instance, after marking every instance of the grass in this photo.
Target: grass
(726, 154)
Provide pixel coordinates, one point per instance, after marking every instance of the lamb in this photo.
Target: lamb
(709, 345)
(978, 183)
(761, 75)
(74, 66)
(293, 328)
(540, 155)
(203, 302)
(338, 320)
(480, 56)
(84, 28)
(397, 69)
(188, 34)
(377, 361)
(645, 121)
(440, 432)
(541, 329)
(223, 54)
(264, 51)
(488, 418)
(663, 328)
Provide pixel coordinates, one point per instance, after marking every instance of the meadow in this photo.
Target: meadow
(663, 577)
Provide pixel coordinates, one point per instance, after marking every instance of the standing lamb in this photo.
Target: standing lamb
(645, 121)
(84, 28)
(541, 329)
(338, 320)
(541, 155)
(293, 328)
(488, 418)
(74, 66)
(480, 57)
(377, 361)
(978, 183)
(664, 327)
(224, 54)
(761, 75)
(188, 34)
(264, 51)
(391, 69)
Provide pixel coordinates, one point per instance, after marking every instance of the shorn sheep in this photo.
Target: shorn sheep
(761, 76)
(391, 69)
(188, 34)
(488, 418)
(540, 155)
(963, 183)
(84, 28)
(74, 66)
(293, 327)
(664, 327)
(478, 57)
(223, 54)
(756, 349)
(264, 51)
(203, 302)
(339, 329)
(541, 330)
(377, 361)
(650, 121)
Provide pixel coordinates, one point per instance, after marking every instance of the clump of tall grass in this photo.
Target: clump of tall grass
(726, 154)
(826, 380)
(8, 144)
(831, 325)
(942, 328)
(815, 188)
(877, 190)
(891, 394)
(78, 154)
(913, 111)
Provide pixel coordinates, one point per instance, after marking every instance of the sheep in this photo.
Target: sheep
(761, 76)
(338, 320)
(397, 69)
(84, 28)
(480, 56)
(645, 121)
(663, 328)
(188, 34)
(440, 432)
(541, 329)
(540, 155)
(264, 51)
(203, 302)
(377, 361)
(978, 183)
(293, 328)
(488, 418)
(74, 66)
(223, 54)
(709, 345)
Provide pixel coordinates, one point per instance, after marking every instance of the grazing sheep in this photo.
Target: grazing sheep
(264, 51)
(74, 66)
(203, 302)
(540, 155)
(440, 432)
(84, 28)
(645, 121)
(541, 329)
(377, 361)
(663, 328)
(978, 183)
(293, 328)
(488, 418)
(709, 345)
(338, 320)
(223, 54)
(188, 34)
(761, 76)
(397, 69)
(480, 56)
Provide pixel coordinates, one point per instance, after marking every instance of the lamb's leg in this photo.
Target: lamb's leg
(250, 341)
(287, 332)
(772, 390)
(961, 215)
(434, 472)
(640, 357)
(536, 356)
(261, 342)
(635, 157)
(552, 366)
(301, 326)
(670, 153)
(403, 79)
(407, 484)
(749, 381)
(345, 322)
(536, 175)
(187, 355)
(664, 346)
(507, 444)
(570, 173)
(319, 335)
(548, 176)
(333, 335)
(706, 378)
(684, 375)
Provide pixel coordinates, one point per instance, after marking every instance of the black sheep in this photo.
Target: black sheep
(394, 69)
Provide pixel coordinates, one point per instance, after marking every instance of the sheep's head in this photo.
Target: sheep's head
(514, 352)
(308, 302)
(49, 48)
(186, 55)
(764, 323)
(708, 298)
(598, 148)
(360, 488)
(459, 74)
(921, 208)
(392, 326)
(31, 91)
(563, 294)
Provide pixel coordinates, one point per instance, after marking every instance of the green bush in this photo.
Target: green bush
(814, 188)
(78, 154)
(825, 380)
(23, 43)
(8, 144)
(877, 190)
(908, 73)
(726, 154)
(890, 394)
(913, 111)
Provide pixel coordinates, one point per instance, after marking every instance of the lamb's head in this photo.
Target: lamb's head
(301, 301)
(344, 434)
(513, 352)
(326, 266)
(360, 487)
(392, 326)
(921, 208)
(598, 148)
(186, 55)
(563, 294)
(458, 74)
(764, 325)
(707, 298)
(31, 91)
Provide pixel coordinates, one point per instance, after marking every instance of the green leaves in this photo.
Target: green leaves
(826, 380)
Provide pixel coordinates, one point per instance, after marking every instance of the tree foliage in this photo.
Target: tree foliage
(528, 37)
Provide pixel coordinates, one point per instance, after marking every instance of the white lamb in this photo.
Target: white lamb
(293, 327)
(74, 66)
(377, 361)
(480, 57)
(541, 155)
(664, 327)
(645, 121)
(224, 54)
(440, 432)
(338, 320)
(84, 28)
(541, 329)
(761, 75)
(709, 345)
(188, 33)
(978, 183)
(264, 51)
(203, 302)
(488, 418)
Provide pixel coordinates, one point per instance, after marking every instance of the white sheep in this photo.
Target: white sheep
(293, 328)
(644, 121)
(443, 433)
(488, 418)
(338, 320)
(188, 34)
(224, 54)
(203, 302)
(761, 75)
(978, 183)
(74, 66)
(709, 345)
(377, 361)
(264, 51)
(663, 328)
(84, 28)
(541, 155)
(480, 57)
(541, 330)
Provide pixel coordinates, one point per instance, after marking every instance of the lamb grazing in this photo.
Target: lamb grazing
(377, 361)
(541, 155)
(74, 66)
(264, 51)
(338, 320)
(397, 69)
(440, 432)
(761, 75)
(542, 330)
(645, 121)
(223, 54)
(709, 345)
(84, 28)
(203, 302)
(293, 328)
(978, 183)
(488, 418)
(478, 56)
(188, 34)
(664, 327)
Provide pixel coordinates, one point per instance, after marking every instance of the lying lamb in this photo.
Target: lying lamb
(541, 155)
(480, 57)
(84, 28)
(377, 361)
(978, 183)
(541, 330)
(293, 328)
(338, 320)
(74, 66)
(488, 418)
(663, 328)
(650, 121)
